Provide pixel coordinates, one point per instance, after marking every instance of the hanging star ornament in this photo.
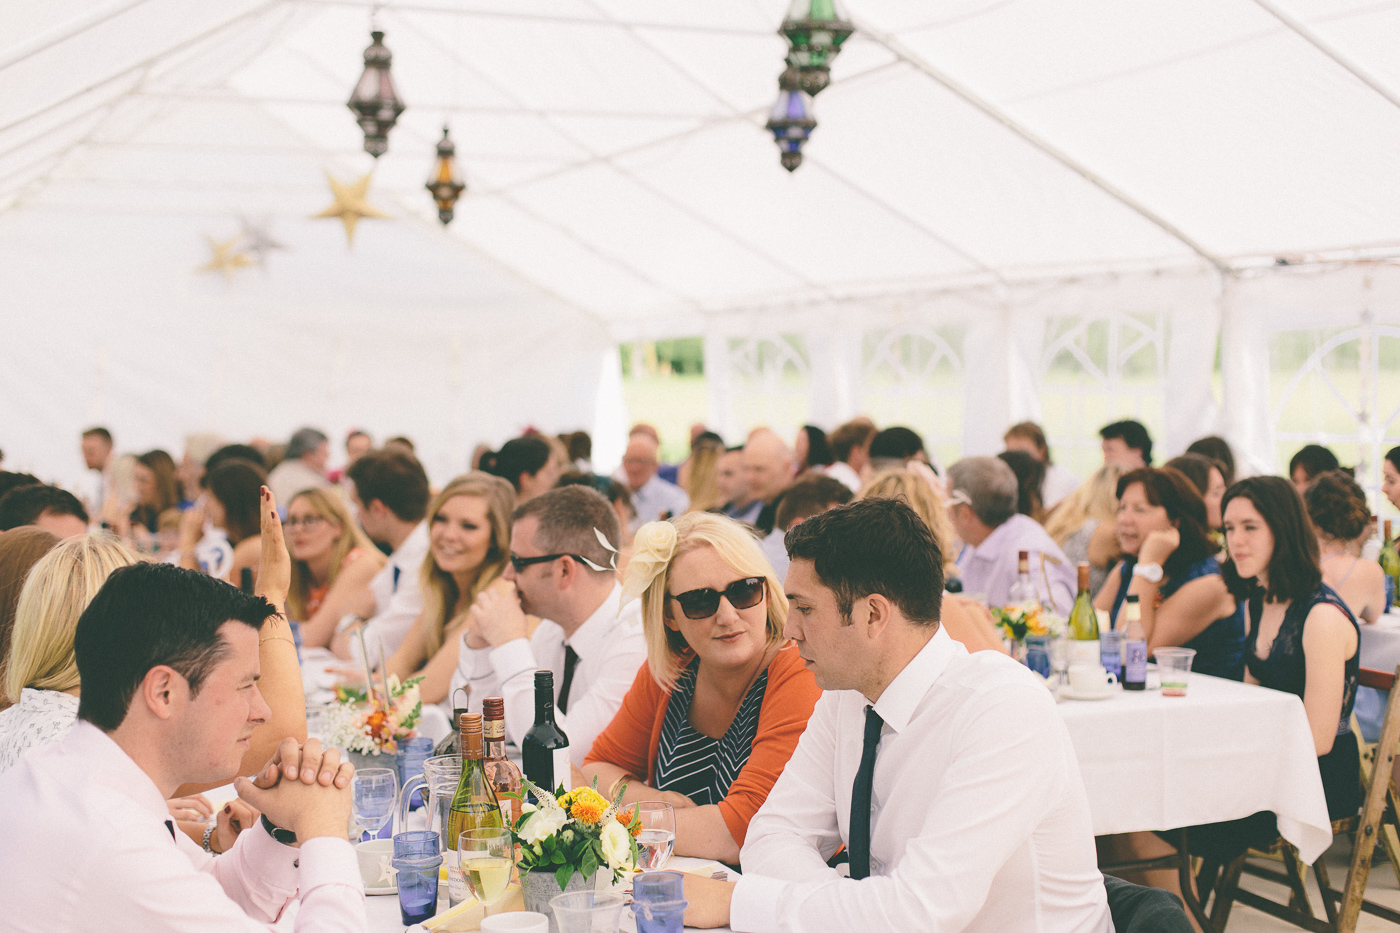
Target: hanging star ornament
(258, 240)
(226, 257)
(350, 205)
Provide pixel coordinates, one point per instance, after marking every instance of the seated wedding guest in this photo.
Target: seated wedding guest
(810, 495)
(949, 777)
(98, 457)
(231, 504)
(194, 463)
(1302, 640)
(528, 463)
(893, 448)
(963, 619)
(768, 469)
(812, 450)
(1340, 516)
(9, 481)
(1218, 450)
(559, 572)
(715, 712)
(653, 498)
(303, 466)
(1030, 477)
(1127, 444)
(1084, 525)
(236, 452)
(389, 492)
(333, 562)
(1208, 476)
(357, 444)
(468, 550)
(169, 661)
(48, 507)
(20, 550)
(982, 509)
(850, 451)
(699, 474)
(580, 446)
(1169, 563)
(733, 485)
(1308, 464)
(157, 490)
(1390, 476)
(1027, 437)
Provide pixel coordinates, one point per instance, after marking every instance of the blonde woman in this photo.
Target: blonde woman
(699, 476)
(1084, 524)
(716, 712)
(332, 564)
(964, 620)
(468, 550)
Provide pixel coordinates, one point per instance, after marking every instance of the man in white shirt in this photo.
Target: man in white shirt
(169, 663)
(652, 497)
(389, 492)
(949, 776)
(97, 457)
(982, 510)
(850, 445)
(561, 572)
(304, 467)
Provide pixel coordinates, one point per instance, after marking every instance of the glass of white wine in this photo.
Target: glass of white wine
(486, 857)
(658, 835)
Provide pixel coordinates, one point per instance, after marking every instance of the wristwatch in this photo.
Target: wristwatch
(209, 831)
(284, 836)
(1152, 573)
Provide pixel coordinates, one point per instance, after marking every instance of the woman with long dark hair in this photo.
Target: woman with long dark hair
(528, 463)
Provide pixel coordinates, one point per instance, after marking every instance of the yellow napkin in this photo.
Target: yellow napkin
(467, 915)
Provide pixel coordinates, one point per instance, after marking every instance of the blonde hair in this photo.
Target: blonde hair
(329, 506)
(921, 497)
(440, 592)
(55, 594)
(1097, 498)
(667, 650)
(702, 477)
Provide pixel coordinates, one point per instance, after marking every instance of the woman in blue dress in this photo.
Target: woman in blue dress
(1169, 564)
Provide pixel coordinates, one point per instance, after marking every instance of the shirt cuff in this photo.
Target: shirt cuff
(327, 860)
(754, 905)
(274, 863)
(513, 659)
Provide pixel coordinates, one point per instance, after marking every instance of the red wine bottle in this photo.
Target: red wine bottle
(545, 748)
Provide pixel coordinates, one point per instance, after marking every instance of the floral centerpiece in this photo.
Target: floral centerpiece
(377, 728)
(575, 832)
(1018, 621)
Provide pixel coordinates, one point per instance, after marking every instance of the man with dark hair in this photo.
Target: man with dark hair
(55, 510)
(303, 466)
(1127, 444)
(1310, 462)
(811, 495)
(561, 569)
(169, 661)
(97, 456)
(949, 777)
(389, 493)
(893, 448)
(850, 445)
(10, 481)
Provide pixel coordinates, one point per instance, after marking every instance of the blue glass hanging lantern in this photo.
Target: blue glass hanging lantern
(815, 31)
(790, 120)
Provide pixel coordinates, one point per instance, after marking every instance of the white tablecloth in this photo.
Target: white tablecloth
(1223, 751)
(1380, 643)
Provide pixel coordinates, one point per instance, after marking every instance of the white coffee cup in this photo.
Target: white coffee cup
(515, 921)
(1091, 681)
(376, 857)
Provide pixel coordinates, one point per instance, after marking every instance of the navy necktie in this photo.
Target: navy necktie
(397, 571)
(860, 797)
(570, 662)
(170, 826)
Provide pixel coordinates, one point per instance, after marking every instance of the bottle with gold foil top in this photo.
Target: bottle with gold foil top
(474, 805)
(503, 775)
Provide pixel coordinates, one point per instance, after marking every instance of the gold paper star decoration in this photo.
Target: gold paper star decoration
(350, 205)
(226, 257)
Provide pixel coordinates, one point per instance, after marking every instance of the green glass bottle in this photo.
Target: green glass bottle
(1083, 626)
(474, 805)
(1390, 563)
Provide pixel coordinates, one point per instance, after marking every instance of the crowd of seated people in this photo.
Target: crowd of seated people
(686, 613)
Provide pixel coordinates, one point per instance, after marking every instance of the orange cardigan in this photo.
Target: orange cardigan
(788, 700)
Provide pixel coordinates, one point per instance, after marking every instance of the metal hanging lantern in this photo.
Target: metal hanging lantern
(790, 120)
(815, 30)
(375, 103)
(444, 183)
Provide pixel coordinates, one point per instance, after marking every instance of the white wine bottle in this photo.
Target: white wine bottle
(1134, 646)
(1083, 626)
(474, 805)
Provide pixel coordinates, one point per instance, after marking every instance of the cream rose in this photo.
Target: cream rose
(652, 550)
(541, 825)
(617, 846)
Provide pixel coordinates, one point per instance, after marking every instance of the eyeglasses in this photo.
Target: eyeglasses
(958, 497)
(520, 563)
(701, 604)
(308, 522)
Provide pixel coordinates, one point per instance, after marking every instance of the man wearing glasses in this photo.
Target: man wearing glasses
(562, 571)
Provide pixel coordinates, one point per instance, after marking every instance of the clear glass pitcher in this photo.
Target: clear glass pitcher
(439, 781)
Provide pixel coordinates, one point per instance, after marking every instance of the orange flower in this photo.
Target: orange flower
(625, 818)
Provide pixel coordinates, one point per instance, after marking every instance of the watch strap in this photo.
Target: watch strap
(208, 832)
(284, 836)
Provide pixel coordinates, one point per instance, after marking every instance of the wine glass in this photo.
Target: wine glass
(658, 834)
(375, 791)
(486, 857)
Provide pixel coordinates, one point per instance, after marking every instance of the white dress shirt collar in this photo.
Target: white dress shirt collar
(111, 767)
(902, 697)
(590, 637)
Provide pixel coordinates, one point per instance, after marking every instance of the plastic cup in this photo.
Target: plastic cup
(418, 887)
(1174, 668)
(587, 912)
(660, 916)
(418, 843)
(516, 921)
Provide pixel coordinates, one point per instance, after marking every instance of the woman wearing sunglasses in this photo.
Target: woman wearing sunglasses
(713, 716)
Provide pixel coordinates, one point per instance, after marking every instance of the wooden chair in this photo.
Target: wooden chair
(1342, 907)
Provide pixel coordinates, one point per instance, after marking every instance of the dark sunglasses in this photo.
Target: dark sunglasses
(701, 604)
(520, 563)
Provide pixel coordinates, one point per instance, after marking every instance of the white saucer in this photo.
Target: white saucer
(1069, 693)
(387, 889)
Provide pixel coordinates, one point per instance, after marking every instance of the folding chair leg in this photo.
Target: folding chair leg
(1297, 875)
(1324, 885)
(1225, 894)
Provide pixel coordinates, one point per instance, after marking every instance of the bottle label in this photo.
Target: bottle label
(1084, 652)
(494, 730)
(456, 883)
(562, 773)
(1135, 662)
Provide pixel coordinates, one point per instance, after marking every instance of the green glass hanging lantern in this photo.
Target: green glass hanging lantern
(815, 31)
(445, 185)
(375, 102)
(791, 121)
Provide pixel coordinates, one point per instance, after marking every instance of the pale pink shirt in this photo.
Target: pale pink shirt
(84, 846)
(990, 567)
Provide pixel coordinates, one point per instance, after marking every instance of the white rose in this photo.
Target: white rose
(541, 825)
(617, 846)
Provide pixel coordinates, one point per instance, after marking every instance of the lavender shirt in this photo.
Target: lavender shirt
(990, 567)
